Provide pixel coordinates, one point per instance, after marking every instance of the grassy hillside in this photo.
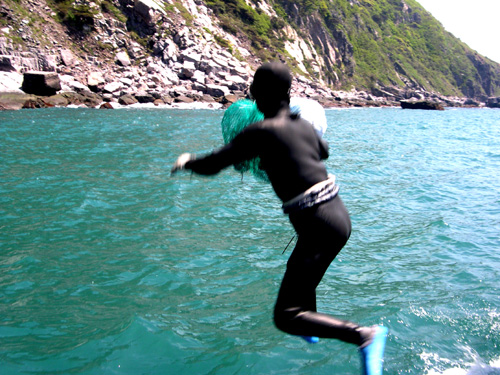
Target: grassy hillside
(380, 43)
(398, 43)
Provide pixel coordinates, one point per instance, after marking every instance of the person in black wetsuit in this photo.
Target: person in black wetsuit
(291, 153)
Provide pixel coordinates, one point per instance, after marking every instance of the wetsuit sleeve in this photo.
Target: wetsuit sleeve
(212, 163)
(241, 148)
(323, 148)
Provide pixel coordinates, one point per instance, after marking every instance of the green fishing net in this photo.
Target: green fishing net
(237, 117)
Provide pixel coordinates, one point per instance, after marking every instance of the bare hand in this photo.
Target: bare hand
(181, 162)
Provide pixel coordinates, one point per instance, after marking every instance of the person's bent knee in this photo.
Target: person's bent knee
(284, 319)
(282, 324)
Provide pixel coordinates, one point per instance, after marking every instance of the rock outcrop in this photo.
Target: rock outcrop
(422, 104)
(41, 83)
(493, 102)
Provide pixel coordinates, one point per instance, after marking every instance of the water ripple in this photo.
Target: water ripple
(108, 265)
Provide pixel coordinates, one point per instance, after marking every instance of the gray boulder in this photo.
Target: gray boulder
(381, 93)
(143, 97)
(471, 102)
(95, 79)
(188, 70)
(192, 56)
(147, 9)
(57, 101)
(493, 102)
(127, 99)
(68, 58)
(106, 106)
(112, 87)
(41, 83)
(122, 59)
(7, 64)
(86, 98)
(199, 77)
(48, 63)
(170, 51)
(183, 99)
(216, 90)
(236, 83)
(423, 104)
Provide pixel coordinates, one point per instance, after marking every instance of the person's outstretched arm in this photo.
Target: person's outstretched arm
(241, 148)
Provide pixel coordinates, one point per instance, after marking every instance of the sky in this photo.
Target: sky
(474, 22)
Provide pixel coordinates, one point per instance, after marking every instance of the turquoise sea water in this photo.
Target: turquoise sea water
(110, 266)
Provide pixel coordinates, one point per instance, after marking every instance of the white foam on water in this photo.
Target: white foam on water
(493, 368)
(194, 105)
(495, 315)
(476, 368)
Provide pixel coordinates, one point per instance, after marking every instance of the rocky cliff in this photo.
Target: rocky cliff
(206, 50)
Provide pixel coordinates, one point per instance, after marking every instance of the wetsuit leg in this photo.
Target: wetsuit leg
(322, 232)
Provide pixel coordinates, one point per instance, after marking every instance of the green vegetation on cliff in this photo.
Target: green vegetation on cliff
(380, 43)
(237, 17)
(399, 43)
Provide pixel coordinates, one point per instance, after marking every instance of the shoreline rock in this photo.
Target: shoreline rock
(128, 86)
(41, 83)
(422, 104)
(493, 102)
